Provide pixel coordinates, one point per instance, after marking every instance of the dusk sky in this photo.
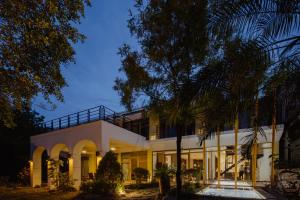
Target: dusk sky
(91, 78)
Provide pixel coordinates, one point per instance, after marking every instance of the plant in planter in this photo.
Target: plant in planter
(192, 175)
(58, 180)
(140, 174)
(163, 174)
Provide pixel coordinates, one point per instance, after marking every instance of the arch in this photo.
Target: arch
(84, 149)
(36, 179)
(56, 149)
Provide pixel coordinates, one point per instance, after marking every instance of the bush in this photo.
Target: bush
(4, 180)
(65, 183)
(109, 169)
(108, 177)
(140, 174)
(23, 176)
(192, 175)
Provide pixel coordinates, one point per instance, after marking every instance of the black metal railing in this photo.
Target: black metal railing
(85, 116)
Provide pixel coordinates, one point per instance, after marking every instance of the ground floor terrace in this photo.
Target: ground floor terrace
(81, 148)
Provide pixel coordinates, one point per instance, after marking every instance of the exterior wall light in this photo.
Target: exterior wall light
(113, 148)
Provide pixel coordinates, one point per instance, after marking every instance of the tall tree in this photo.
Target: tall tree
(231, 85)
(36, 39)
(173, 42)
(275, 25)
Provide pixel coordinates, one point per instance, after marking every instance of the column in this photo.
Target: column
(150, 164)
(77, 169)
(92, 163)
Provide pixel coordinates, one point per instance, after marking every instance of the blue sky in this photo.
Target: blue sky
(91, 78)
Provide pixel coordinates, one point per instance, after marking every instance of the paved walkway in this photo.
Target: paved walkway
(226, 190)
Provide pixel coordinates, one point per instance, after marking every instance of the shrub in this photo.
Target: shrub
(23, 176)
(4, 180)
(108, 177)
(140, 174)
(192, 175)
(109, 169)
(65, 183)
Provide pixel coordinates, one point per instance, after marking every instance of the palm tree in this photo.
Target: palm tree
(273, 23)
(232, 82)
(282, 88)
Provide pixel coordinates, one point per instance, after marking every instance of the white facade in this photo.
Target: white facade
(94, 139)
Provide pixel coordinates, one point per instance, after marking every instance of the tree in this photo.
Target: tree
(283, 89)
(36, 39)
(109, 169)
(173, 42)
(229, 84)
(273, 23)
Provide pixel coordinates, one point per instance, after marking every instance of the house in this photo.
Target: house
(139, 139)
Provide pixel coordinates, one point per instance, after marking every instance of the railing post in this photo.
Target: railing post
(114, 118)
(78, 118)
(88, 115)
(99, 112)
(52, 125)
(103, 108)
(59, 122)
(68, 120)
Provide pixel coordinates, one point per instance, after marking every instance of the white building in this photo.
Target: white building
(139, 140)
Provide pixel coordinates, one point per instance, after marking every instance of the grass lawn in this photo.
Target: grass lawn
(43, 194)
(34, 193)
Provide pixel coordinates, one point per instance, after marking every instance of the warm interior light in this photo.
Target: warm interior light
(83, 151)
(112, 148)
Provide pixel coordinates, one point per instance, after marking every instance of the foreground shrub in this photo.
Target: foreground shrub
(192, 175)
(108, 177)
(66, 184)
(23, 177)
(109, 169)
(140, 174)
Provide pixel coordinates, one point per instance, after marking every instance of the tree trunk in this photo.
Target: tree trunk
(273, 139)
(219, 157)
(236, 130)
(204, 161)
(178, 171)
(254, 149)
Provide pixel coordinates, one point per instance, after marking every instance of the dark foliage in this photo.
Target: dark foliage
(15, 142)
(36, 39)
(140, 174)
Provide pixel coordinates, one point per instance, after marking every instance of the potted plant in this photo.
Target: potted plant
(163, 175)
